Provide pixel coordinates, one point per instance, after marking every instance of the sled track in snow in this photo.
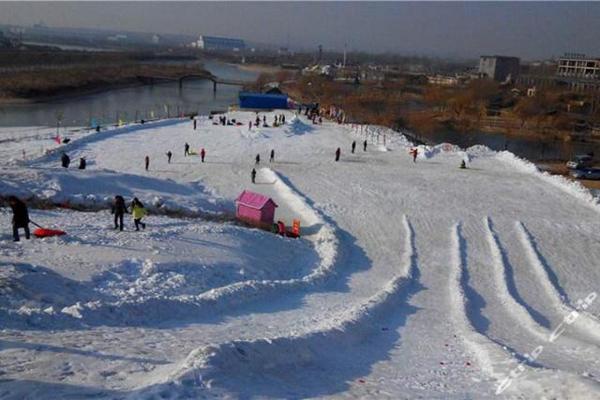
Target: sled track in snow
(514, 378)
(240, 360)
(507, 292)
(325, 242)
(586, 323)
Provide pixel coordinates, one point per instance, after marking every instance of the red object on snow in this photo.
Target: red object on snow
(43, 232)
(281, 228)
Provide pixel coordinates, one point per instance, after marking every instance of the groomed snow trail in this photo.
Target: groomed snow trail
(385, 296)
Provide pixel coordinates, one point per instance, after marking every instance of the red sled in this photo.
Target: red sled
(43, 232)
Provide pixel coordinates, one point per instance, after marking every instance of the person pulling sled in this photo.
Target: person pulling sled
(20, 217)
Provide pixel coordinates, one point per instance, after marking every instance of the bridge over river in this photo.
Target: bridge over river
(215, 80)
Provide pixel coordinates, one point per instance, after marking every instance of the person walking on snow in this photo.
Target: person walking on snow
(20, 217)
(353, 146)
(365, 145)
(169, 155)
(147, 162)
(119, 209)
(82, 163)
(65, 160)
(272, 157)
(338, 152)
(249, 125)
(202, 154)
(253, 175)
(186, 149)
(257, 159)
(138, 212)
(195, 123)
(414, 152)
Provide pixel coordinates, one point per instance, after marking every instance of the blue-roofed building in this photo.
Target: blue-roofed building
(263, 100)
(219, 43)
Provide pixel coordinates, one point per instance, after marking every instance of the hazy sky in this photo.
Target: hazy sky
(529, 30)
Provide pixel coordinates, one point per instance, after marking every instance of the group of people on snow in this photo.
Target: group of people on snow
(119, 209)
(65, 161)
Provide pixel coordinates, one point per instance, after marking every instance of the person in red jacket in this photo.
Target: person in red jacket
(202, 154)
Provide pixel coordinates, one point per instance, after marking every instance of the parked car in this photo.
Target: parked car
(580, 161)
(586, 173)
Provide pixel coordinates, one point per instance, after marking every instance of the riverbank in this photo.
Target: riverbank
(35, 86)
(425, 113)
(259, 68)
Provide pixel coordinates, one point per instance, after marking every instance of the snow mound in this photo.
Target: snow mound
(297, 127)
(95, 190)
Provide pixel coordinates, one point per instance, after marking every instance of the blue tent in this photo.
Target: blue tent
(263, 100)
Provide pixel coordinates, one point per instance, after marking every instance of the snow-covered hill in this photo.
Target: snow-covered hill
(411, 280)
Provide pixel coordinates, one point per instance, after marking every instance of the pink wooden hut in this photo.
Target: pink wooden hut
(255, 208)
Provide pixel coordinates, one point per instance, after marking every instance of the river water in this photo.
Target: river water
(129, 104)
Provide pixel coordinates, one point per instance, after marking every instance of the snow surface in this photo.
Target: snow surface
(410, 280)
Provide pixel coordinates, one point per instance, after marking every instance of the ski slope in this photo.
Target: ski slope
(411, 280)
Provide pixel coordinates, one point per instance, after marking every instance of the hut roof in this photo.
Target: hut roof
(254, 200)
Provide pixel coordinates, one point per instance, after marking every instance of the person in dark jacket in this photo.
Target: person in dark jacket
(119, 209)
(65, 160)
(186, 149)
(147, 162)
(353, 146)
(195, 123)
(82, 163)
(20, 217)
(253, 175)
(272, 158)
(169, 155)
(338, 152)
(365, 145)
(202, 154)
(257, 159)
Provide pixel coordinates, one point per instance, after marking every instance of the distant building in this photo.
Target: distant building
(119, 37)
(578, 66)
(443, 80)
(499, 68)
(219, 43)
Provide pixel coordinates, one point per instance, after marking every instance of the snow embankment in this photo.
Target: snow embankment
(571, 187)
(240, 360)
(95, 190)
